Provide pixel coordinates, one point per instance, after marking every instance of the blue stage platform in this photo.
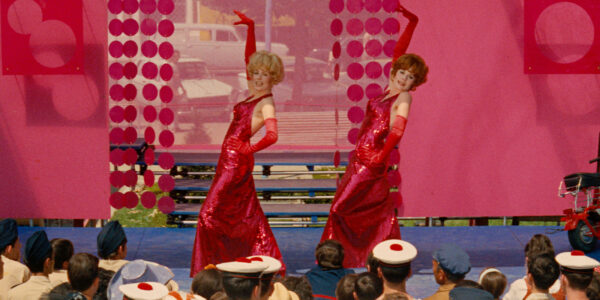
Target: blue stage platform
(498, 246)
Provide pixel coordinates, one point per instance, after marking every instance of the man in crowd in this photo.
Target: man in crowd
(577, 271)
(241, 278)
(450, 264)
(394, 264)
(329, 270)
(14, 272)
(38, 258)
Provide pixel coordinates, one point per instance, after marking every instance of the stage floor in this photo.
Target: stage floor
(497, 246)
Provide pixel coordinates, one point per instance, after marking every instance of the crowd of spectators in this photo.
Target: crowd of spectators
(52, 270)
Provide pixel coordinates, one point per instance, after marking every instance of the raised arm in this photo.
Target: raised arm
(250, 37)
(406, 36)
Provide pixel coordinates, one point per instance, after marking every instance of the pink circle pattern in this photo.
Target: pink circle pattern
(147, 26)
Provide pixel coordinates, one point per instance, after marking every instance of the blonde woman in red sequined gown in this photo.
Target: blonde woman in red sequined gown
(361, 214)
(231, 223)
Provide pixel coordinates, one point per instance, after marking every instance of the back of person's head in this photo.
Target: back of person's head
(395, 274)
(578, 281)
(539, 244)
(9, 236)
(593, 289)
(82, 271)
(240, 286)
(207, 282)
(372, 263)
(368, 286)
(110, 239)
(63, 250)
(345, 287)
(104, 277)
(493, 281)
(395, 296)
(37, 252)
(266, 283)
(544, 271)
(299, 285)
(453, 261)
(330, 254)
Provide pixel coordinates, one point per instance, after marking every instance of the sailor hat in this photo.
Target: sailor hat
(395, 252)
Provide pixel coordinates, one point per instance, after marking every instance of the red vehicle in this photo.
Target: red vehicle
(583, 220)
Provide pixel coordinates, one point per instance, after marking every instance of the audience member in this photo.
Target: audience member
(268, 288)
(469, 290)
(143, 291)
(112, 249)
(83, 276)
(368, 286)
(104, 277)
(577, 272)
(300, 286)
(539, 244)
(542, 272)
(372, 263)
(493, 281)
(62, 250)
(179, 295)
(450, 264)
(241, 279)
(14, 272)
(207, 282)
(329, 270)
(593, 290)
(112, 246)
(38, 258)
(135, 272)
(60, 292)
(394, 258)
(345, 287)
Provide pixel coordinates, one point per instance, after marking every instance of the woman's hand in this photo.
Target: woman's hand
(243, 19)
(236, 144)
(406, 13)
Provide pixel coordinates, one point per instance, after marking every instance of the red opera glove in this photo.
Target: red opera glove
(392, 140)
(270, 137)
(250, 38)
(406, 36)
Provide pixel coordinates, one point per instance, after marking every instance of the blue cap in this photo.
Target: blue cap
(110, 238)
(8, 232)
(471, 293)
(453, 259)
(37, 248)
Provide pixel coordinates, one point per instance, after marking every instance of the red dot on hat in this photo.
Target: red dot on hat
(396, 247)
(243, 260)
(144, 286)
(577, 253)
(256, 259)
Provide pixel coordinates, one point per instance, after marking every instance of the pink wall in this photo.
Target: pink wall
(53, 128)
(485, 139)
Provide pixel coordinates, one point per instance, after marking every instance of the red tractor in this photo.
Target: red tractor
(583, 220)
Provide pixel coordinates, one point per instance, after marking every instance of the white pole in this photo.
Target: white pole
(268, 14)
(189, 11)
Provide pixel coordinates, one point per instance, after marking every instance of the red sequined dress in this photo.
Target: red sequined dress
(231, 223)
(361, 214)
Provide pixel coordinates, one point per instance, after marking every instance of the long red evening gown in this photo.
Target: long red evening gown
(231, 223)
(361, 214)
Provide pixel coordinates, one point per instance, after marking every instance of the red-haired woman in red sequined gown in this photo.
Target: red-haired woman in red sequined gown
(361, 214)
(231, 223)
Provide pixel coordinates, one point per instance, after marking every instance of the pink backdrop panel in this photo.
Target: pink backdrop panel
(53, 128)
(483, 138)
